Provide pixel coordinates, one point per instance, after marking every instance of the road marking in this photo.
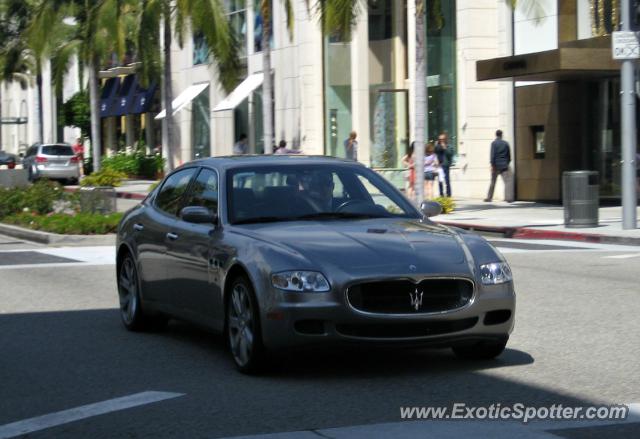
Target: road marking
(85, 411)
(633, 255)
(97, 255)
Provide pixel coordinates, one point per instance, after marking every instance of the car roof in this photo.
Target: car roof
(233, 161)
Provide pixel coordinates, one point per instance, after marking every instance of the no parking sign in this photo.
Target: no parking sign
(625, 45)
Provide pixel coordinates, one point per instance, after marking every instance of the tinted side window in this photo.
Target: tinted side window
(171, 192)
(205, 191)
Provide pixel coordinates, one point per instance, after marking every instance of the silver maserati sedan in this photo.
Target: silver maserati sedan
(280, 252)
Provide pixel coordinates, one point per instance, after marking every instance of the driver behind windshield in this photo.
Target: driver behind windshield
(319, 190)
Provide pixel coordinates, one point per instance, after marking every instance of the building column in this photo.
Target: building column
(148, 132)
(110, 136)
(360, 86)
(130, 130)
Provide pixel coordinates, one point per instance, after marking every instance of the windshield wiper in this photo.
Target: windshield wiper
(262, 219)
(337, 215)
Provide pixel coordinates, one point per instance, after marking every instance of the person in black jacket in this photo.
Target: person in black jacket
(500, 159)
(445, 157)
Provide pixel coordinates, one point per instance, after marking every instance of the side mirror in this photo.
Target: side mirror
(198, 215)
(430, 208)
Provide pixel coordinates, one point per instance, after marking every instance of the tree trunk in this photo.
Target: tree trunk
(1, 145)
(167, 123)
(267, 85)
(40, 132)
(421, 102)
(96, 147)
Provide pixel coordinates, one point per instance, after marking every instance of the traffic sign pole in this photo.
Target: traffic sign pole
(628, 128)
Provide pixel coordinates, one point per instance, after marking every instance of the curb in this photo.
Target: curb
(57, 239)
(529, 233)
(124, 195)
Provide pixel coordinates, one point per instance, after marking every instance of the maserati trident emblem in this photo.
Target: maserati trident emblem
(416, 299)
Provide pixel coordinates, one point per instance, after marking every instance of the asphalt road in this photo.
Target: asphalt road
(62, 346)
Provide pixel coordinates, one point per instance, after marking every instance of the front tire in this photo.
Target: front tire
(131, 312)
(243, 327)
(32, 176)
(482, 350)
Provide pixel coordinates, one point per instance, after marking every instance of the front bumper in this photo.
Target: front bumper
(314, 319)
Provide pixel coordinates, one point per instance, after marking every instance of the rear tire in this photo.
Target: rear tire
(243, 327)
(482, 350)
(131, 313)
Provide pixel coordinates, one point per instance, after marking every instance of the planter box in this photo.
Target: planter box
(13, 178)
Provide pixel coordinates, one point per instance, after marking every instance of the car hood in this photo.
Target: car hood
(395, 245)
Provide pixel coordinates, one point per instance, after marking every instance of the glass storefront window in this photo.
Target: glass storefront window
(388, 100)
(237, 13)
(390, 120)
(200, 50)
(441, 69)
(201, 126)
(337, 95)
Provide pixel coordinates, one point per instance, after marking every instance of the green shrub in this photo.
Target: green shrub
(135, 164)
(39, 198)
(78, 224)
(447, 203)
(104, 177)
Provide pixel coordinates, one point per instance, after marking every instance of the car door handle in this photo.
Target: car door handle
(172, 236)
(138, 227)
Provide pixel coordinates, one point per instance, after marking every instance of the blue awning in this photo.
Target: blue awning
(107, 97)
(143, 99)
(125, 96)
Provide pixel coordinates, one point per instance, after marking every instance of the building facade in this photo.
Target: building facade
(325, 88)
(567, 96)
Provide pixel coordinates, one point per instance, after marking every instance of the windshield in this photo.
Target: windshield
(57, 150)
(311, 192)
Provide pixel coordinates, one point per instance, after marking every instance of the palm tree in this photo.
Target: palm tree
(90, 30)
(15, 60)
(421, 106)
(267, 85)
(203, 16)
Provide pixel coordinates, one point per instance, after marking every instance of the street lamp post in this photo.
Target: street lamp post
(628, 127)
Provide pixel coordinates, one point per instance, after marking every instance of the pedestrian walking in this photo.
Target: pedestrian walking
(241, 146)
(500, 159)
(408, 162)
(78, 150)
(351, 146)
(430, 170)
(445, 158)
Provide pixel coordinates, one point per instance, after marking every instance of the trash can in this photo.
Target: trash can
(580, 198)
(99, 199)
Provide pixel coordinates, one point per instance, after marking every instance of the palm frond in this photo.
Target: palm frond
(338, 17)
(533, 9)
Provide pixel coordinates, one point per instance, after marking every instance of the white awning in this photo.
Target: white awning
(184, 98)
(241, 92)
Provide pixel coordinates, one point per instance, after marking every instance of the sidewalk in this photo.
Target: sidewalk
(524, 219)
(521, 219)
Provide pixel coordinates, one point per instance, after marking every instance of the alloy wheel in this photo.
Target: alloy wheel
(241, 325)
(128, 291)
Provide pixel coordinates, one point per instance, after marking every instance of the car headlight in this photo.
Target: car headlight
(495, 273)
(301, 281)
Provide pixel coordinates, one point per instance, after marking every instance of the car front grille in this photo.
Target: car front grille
(405, 330)
(406, 297)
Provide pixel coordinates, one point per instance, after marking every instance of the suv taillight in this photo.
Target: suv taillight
(40, 159)
(11, 165)
(75, 159)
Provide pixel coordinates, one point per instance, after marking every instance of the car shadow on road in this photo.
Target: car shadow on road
(53, 361)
